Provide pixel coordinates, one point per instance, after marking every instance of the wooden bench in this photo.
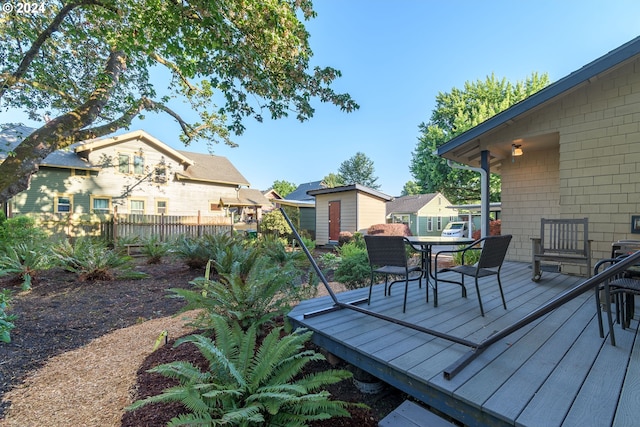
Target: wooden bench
(561, 240)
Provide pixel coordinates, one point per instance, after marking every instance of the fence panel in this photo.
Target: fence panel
(113, 227)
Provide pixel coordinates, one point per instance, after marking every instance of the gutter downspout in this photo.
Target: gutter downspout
(484, 192)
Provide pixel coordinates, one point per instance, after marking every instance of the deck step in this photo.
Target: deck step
(410, 414)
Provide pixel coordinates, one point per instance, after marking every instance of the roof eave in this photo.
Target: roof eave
(613, 59)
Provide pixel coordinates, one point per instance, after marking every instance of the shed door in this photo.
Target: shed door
(334, 220)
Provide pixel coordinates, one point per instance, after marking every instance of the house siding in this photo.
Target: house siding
(593, 172)
(184, 197)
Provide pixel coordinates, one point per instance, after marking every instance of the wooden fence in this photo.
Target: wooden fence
(125, 226)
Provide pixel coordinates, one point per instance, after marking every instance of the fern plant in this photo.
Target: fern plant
(91, 259)
(249, 386)
(154, 250)
(25, 260)
(6, 319)
(253, 291)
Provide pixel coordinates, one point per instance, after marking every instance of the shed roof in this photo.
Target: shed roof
(351, 187)
(454, 150)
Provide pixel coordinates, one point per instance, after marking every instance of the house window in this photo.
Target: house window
(100, 205)
(429, 224)
(161, 206)
(138, 165)
(80, 172)
(123, 163)
(63, 204)
(136, 207)
(439, 223)
(160, 174)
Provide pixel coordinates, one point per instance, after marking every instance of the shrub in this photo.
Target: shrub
(248, 386)
(91, 259)
(154, 250)
(274, 223)
(470, 257)
(354, 271)
(20, 229)
(390, 229)
(495, 229)
(6, 319)
(345, 237)
(25, 260)
(253, 290)
(193, 251)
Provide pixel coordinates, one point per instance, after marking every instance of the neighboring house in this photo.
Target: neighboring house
(352, 208)
(136, 173)
(425, 214)
(572, 150)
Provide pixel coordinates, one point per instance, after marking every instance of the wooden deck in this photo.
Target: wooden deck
(556, 371)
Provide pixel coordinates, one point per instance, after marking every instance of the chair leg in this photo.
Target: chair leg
(479, 299)
(599, 312)
(607, 302)
(370, 288)
(504, 303)
(406, 290)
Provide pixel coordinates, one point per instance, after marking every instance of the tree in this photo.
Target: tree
(88, 64)
(411, 188)
(358, 170)
(332, 180)
(455, 113)
(283, 187)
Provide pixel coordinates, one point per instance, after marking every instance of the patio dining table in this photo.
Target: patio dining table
(425, 244)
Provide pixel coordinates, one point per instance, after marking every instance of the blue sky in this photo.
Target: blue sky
(396, 56)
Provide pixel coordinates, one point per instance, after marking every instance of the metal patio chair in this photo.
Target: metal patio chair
(493, 251)
(388, 256)
(620, 289)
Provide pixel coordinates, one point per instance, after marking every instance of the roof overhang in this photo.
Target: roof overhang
(466, 148)
(94, 144)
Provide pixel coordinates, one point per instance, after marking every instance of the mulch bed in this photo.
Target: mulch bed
(61, 313)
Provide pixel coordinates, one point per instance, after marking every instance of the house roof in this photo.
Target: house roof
(11, 137)
(409, 204)
(300, 193)
(210, 168)
(454, 149)
(246, 197)
(93, 144)
(351, 187)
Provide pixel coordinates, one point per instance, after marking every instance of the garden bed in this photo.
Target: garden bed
(57, 330)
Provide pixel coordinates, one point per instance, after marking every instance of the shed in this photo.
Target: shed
(352, 208)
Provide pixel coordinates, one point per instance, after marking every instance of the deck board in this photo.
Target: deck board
(552, 372)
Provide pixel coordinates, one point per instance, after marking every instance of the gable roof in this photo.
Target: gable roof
(351, 187)
(199, 167)
(210, 168)
(409, 204)
(94, 144)
(562, 87)
(300, 193)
